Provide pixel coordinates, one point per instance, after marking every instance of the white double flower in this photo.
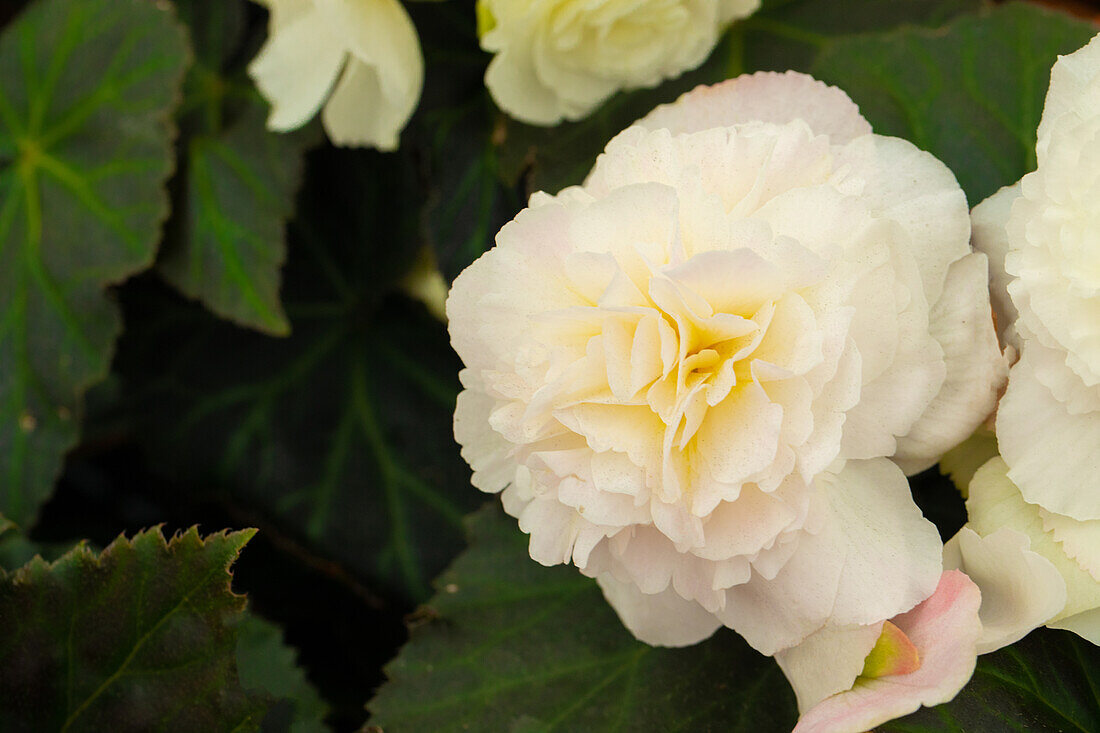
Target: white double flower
(696, 375)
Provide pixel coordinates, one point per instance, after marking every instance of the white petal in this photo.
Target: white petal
(874, 556)
(661, 619)
(517, 89)
(912, 187)
(1068, 91)
(740, 435)
(744, 526)
(381, 84)
(976, 369)
(487, 452)
(553, 528)
(765, 96)
(1054, 456)
(296, 68)
(1021, 590)
(1085, 624)
(989, 236)
(491, 301)
(827, 662)
(1079, 540)
(995, 502)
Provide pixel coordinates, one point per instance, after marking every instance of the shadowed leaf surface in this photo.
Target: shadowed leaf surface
(269, 669)
(340, 434)
(454, 133)
(137, 638)
(971, 94)
(86, 90)
(236, 185)
(509, 645)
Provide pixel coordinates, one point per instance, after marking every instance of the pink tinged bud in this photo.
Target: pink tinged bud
(893, 653)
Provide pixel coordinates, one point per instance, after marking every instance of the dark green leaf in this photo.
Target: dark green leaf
(453, 131)
(16, 549)
(269, 668)
(788, 34)
(86, 89)
(508, 645)
(341, 434)
(138, 638)
(1050, 681)
(784, 34)
(971, 94)
(236, 185)
(231, 242)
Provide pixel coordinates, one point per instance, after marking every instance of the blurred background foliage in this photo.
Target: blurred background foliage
(205, 323)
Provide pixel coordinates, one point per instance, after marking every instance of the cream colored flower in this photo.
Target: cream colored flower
(560, 59)
(689, 374)
(1046, 232)
(371, 46)
(1071, 546)
(849, 680)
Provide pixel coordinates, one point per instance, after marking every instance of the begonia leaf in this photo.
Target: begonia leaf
(971, 94)
(235, 189)
(86, 92)
(139, 637)
(269, 669)
(507, 644)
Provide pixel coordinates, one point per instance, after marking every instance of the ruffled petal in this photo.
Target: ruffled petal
(765, 97)
(995, 502)
(976, 369)
(514, 84)
(661, 619)
(1021, 589)
(989, 236)
(873, 556)
(1054, 456)
(487, 452)
(1079, 540)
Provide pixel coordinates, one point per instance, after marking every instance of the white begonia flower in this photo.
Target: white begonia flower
(687, 375)
(1046, 232)
(1071, 546)
(849, 680)
(371, 46)
(558, 59)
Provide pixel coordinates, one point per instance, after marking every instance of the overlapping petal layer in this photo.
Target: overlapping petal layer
(367, 49)
(1046, 231)
(687, 375)
(1071, 546)
(560, 59)
(836, 691)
